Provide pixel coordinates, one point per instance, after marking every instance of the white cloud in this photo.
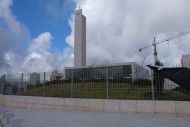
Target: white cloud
(58, 8)
(38, 56)
(41, 59)
(70, 38)
(42, 42)
(116, 29)
(9, 22)
(13, 35)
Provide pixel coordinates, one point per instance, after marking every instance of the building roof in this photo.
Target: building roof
(103, 65)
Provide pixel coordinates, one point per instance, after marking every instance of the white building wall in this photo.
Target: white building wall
(55, 75)
(185, 60)
(80, 39)
(139, 72)
(34, 78)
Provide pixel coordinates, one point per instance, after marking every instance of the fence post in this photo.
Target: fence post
(21, 88)
(3, 87)
(107, 85)
(152, 84)
(44, 84)
(72, 84)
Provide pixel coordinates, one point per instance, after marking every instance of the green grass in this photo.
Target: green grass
(98, 90)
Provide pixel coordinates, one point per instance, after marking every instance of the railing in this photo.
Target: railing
(116, 86)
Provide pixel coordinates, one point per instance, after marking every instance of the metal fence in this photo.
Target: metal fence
(135, 86)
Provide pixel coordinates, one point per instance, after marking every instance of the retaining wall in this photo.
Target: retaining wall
(128, 106)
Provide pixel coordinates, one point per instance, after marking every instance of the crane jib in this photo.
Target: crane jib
(165, 39)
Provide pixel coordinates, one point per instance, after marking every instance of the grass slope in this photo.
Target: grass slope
(98, 90)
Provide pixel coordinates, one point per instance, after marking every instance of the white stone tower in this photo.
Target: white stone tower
(79, 39)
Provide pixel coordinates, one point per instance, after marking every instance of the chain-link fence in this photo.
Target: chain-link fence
(100, 83)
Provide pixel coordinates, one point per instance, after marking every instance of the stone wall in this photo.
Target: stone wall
(126, 106)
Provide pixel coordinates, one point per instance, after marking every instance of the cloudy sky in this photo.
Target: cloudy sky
(37, 35)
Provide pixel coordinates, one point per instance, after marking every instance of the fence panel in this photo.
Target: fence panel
(135, 83)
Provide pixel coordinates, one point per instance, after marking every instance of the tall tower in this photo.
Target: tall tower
(79, 39)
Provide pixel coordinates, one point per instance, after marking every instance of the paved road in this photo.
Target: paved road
(63, 118)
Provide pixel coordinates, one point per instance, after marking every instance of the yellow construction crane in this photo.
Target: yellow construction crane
(161, 41)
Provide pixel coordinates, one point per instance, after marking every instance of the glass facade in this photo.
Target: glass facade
(99, 72)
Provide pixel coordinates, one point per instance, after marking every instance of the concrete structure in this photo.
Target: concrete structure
(135, 70)
(15, 122)
(34, 78)
(185, 60)
(4, 112)
(55, 75)
(122, 106)
(63, 118)
(80, 70)
(70, 112)
(123, 70)
(8, 117)
(79, 39)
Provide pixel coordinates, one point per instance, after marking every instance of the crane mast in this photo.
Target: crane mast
(155, 43)
(155, 51)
